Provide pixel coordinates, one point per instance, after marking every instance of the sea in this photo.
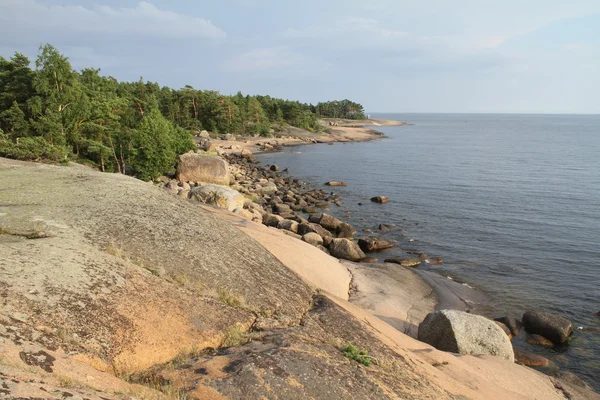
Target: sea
(511, 202)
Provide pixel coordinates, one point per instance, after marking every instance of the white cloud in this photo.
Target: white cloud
(22, 20)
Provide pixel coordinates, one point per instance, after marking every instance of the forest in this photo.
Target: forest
(54, 113)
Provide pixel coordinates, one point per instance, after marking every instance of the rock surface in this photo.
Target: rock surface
(530, 359)
(374, 244)
(200, 168)
(553, 327)
(380, 199)
(219, 196)
(464, 333)
(405, 262)
(346, 249)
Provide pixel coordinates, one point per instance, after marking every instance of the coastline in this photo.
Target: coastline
(345, 131)
(382, 296)
(166, 274)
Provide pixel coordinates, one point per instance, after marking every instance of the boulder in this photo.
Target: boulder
(333, 183)
(464, 333)
(530, 359)
(374, 244)
(405, 262)
(345, 230)
(436, 260)
(553, 327)
(327, 221)
(312, 227)
(511, 323)
(274, 168)
(380, 199)
(204, 134)
(282, 209)
(537, 340)
(288, 225)
(271, 219)
(245, 153)
(327, 240)
(201, 168)
(313, 238)
(346, 249)
(217, 195)
(266, 188)
(505, 329)
(383, 228)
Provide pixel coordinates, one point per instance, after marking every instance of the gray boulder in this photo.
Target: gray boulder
(346, 249)
(464, 333)
(266, 188)
(271, 219)
(553, 327)
(200, 168)
(219, 196)
(313, 238)
(288, 225)
(327, 221)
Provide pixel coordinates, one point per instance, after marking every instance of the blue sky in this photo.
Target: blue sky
(390, 55)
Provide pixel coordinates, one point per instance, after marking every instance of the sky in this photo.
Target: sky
(534, 56)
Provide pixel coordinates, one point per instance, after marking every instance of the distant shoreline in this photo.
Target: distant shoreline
(338, 131)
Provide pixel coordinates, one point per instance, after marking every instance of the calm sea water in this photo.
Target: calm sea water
(510, 202)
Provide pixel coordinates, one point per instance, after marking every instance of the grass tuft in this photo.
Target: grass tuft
(354, 353)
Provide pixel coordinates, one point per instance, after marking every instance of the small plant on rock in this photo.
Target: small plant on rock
(354, 353)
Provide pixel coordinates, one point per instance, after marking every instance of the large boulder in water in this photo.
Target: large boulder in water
(553, 327)
(192, 167)
(464, 333)
(346, 249)
(374, 244)
(217, 195)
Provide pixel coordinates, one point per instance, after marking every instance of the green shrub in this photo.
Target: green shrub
(31, 148)
(354, 353)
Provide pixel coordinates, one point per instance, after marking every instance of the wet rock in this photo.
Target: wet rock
(333, 183)
(530, 359)
(313, 238)
(327, 240)
(369, 260)
(274, 168)
(436, 260)
(346, 249)
(405, 262)
(553, 327)
(464, 333)
(423, 256)
(384, 228)
(345, 230)
(380, 199)
(538, 340)
(374, 244)
(513, 324)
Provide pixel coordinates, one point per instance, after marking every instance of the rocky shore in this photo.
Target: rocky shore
(114, 288)
(275, 199)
